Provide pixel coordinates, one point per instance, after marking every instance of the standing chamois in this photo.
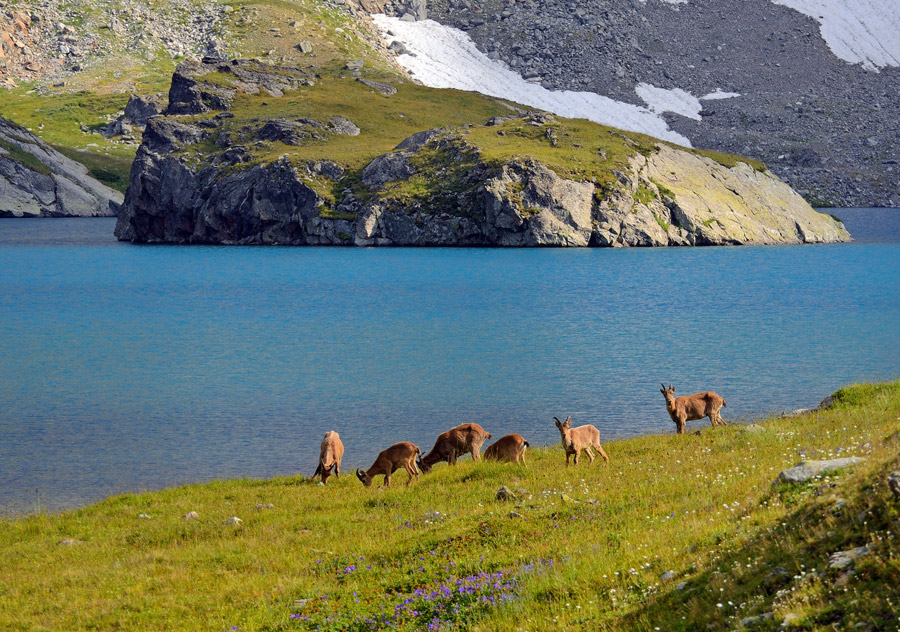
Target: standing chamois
(453, 444)
(574, 440)
(690, 407)
(330, 455)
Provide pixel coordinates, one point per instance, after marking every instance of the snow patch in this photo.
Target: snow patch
(444, 57)
(675, 100)
(719, 94)
(863, 32)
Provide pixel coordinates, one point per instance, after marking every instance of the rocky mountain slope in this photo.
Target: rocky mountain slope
(250, 153)
(38, 181)
(827, 125)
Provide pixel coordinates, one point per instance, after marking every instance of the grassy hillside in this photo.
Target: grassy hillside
(585, 547)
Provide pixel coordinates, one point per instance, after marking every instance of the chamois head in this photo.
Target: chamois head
(425, 468)
(563, 425)
(668, 393)
(363, 478)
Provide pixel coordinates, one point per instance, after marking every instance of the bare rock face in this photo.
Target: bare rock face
(38, 181)
(529, 205)
(678, 198)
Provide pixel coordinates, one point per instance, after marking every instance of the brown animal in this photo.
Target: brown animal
(330, 455)
(574, 440)
(510, 448)
(690, 407)
(454, 443)
(399, 455)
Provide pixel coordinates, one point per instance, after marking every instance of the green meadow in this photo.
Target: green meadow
(675, 533)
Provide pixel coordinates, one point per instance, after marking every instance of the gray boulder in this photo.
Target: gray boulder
(843, 559)
(343, 126)
(384, 88)
(387, 168)
(807, 470)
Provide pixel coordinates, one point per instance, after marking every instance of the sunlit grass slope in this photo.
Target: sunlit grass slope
(586, 547)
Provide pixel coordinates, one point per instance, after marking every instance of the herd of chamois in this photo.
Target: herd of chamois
(468, 439)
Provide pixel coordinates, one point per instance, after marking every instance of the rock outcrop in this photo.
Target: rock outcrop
(38, 181)
(436, 188)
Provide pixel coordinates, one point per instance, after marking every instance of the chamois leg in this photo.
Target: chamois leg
(387, 480)
(590, 453)
(719, 417)
(411, 472)
(317, 472)
(602, 452)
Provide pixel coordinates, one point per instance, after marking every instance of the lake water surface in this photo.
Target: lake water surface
(129, 367)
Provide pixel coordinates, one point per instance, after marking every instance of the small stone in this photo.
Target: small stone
(754, 620)
(521, 492)
(790, 620)
(514, 514)
(355, 64)
(262, 506)
(842, 559)
(69, 542)
(681, 586)
(667, 576)
(505, 493)
(192, 515)
(300, 603)
(305, 47)
(894, 482)
(826, 403)
(144, 516)
(234, 521)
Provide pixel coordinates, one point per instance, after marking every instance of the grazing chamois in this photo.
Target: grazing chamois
(330, 455)
(510, 447)
(454, 443)
(574, 440)
(399, 455)
(690, 407)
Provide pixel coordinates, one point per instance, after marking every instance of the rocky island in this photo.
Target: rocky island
(253, 153)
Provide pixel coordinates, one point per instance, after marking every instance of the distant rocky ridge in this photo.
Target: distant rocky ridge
(38, 181)
(435, 188)
(829, 128)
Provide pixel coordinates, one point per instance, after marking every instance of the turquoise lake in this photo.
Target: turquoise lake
(126, 368)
